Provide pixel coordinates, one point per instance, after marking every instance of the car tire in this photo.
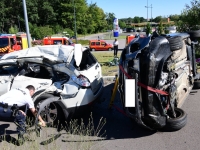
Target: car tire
(194, 34)
(196, 84)
(55, 112)
(176, 43)
(93, 49)
(110, 49)
(174, 124)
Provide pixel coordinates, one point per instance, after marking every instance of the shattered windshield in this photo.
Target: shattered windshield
(4, 42)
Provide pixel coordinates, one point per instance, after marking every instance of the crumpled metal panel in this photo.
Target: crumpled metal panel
(70, 88)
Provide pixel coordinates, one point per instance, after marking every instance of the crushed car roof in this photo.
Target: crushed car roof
(54, 53)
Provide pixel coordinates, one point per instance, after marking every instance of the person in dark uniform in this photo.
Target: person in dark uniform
(115, 44)
(10, 103)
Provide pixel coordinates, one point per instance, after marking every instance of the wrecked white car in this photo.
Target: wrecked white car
(70, 75)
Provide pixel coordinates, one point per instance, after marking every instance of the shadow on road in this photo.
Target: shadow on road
(118, 126)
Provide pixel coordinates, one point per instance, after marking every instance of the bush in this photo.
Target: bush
(160, 28)
(148, 29)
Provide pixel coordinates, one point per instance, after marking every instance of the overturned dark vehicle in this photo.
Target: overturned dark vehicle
(164, 69)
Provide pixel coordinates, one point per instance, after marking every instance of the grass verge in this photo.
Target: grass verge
(78, 134)
(105, 57)
(109, 36)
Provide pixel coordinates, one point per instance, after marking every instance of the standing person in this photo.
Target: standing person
(10, 103)
(98, 38)
(70, 41)
(115, 44)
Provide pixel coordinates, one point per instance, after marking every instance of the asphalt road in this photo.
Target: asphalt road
(121, 132)
(122, 42)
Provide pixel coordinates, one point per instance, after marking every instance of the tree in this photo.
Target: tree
(56, 14)
(129, 20)
(148, 29)
(157, 19)
(142, 19)
(166, 31)
(13, 30)
(190, 17)
(136, 19)
(109, 18)
(174, 18)
(160, 28)
(122, 24)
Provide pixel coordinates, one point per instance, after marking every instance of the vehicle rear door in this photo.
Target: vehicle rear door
(93, 71)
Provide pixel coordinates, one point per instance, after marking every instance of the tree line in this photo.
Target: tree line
(47, 17)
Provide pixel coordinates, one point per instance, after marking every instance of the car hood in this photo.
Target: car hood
(54, 53)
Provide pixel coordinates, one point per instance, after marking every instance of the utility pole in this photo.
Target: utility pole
(26, 23)
(75, 22)
(151, 13)
(147, 10)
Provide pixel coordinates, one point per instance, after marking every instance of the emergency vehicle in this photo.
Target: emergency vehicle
(12, 42)
(55, 40)
(129, 38)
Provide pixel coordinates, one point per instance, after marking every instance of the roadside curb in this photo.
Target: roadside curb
(108, 80)
(108, 77)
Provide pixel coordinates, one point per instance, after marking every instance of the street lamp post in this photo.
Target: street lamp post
(75, 22)
(26, 23)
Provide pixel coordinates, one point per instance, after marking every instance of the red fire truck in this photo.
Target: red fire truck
(12, 42)
(56, 40)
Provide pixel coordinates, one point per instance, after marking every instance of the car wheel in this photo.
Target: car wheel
(194, 34)
(52, 113)
(196, 84)
(174, 124)
(176, 43)
(110, 49)
(93, 49)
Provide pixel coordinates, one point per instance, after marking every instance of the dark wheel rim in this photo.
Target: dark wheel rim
(50, 112)
(178, 114)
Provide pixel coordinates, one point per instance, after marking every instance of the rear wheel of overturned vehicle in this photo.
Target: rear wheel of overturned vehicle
(176, 43)
(194, 34)
(174, 124)
(93, 49)
(110, 49)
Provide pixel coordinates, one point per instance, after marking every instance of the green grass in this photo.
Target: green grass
(75, 135)
(109, 36)
(82, 42)
(105, 57)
